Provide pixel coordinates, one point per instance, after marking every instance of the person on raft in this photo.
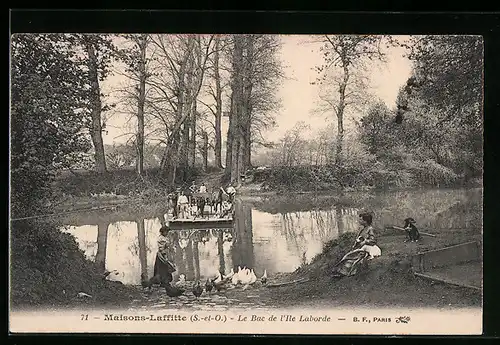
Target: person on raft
(203, 188)
(164, 262)
(365, 248)
(183, 205)
(231, 192)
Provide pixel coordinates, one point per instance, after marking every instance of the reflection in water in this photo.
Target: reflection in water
(102, 241)
(141, 234)
(242, 253)
(220, 251)
(260, 240)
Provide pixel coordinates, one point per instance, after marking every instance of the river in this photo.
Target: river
(274, 236)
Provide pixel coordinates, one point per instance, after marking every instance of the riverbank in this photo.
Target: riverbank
(388, 282)
(48, 269)
(123, 189)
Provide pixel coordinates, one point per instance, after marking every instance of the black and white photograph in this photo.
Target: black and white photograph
(246, 183)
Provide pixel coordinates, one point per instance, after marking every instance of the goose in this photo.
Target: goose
(173, 291)
(245, 277)
(263, 279)
(107, 274)
(253, 277)
(236, 278)
(197, 289)
(182, 280)
(145, 282)
(219, 285)
(209, 285)
(230, 275)
(218, 279)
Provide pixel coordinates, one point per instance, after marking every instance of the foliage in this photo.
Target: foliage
(47, 267)
(48, 115)
(449, 78)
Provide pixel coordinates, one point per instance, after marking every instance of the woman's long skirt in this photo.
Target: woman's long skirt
(163, 269)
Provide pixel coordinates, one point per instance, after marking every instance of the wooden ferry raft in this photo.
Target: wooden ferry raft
(200, 223)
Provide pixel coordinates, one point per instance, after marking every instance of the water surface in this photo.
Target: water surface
(265, 236)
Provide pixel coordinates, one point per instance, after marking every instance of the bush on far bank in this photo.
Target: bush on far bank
(377, 176)
(124, 181)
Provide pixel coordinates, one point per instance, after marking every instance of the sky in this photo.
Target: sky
(299, 97)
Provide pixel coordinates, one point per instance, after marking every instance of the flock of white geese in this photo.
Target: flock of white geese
(245, 277)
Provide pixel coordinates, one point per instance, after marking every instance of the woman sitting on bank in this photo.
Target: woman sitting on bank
(164, 263)
(365, 248)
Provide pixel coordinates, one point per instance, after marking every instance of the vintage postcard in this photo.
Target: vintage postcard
(246, 184)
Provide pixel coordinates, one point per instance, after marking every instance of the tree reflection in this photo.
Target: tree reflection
(196, 257)
(190, 274)
(102, 243)
(141, 234)
(340, 222)
(220, 250)
(242, 251)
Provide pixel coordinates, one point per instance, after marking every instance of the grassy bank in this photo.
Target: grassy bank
(87, 189)
(48, 269)
(309, 178)
(389, 280)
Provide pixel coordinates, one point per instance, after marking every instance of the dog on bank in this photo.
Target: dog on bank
(411, 230)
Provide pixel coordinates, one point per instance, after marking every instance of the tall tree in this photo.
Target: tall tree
(264, 74)
(137, 59)
(342, 54)
(142, 44)
(255, 73)
(218, 100)
(216, 94)
(182, 60)
(233, 161)
(98, 53)
(445, 96)
(49, 116)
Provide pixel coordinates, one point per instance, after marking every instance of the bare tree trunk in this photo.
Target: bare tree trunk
(238, 106)
(340, 116)
(218, 109)
(235, 159)
(185, 139)
(230, 135)
(247, 151)
(247, 103)
(205, 151)
(96, 106)
(192, 142)
(141, 99)
(185, 148)
(169, 160)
